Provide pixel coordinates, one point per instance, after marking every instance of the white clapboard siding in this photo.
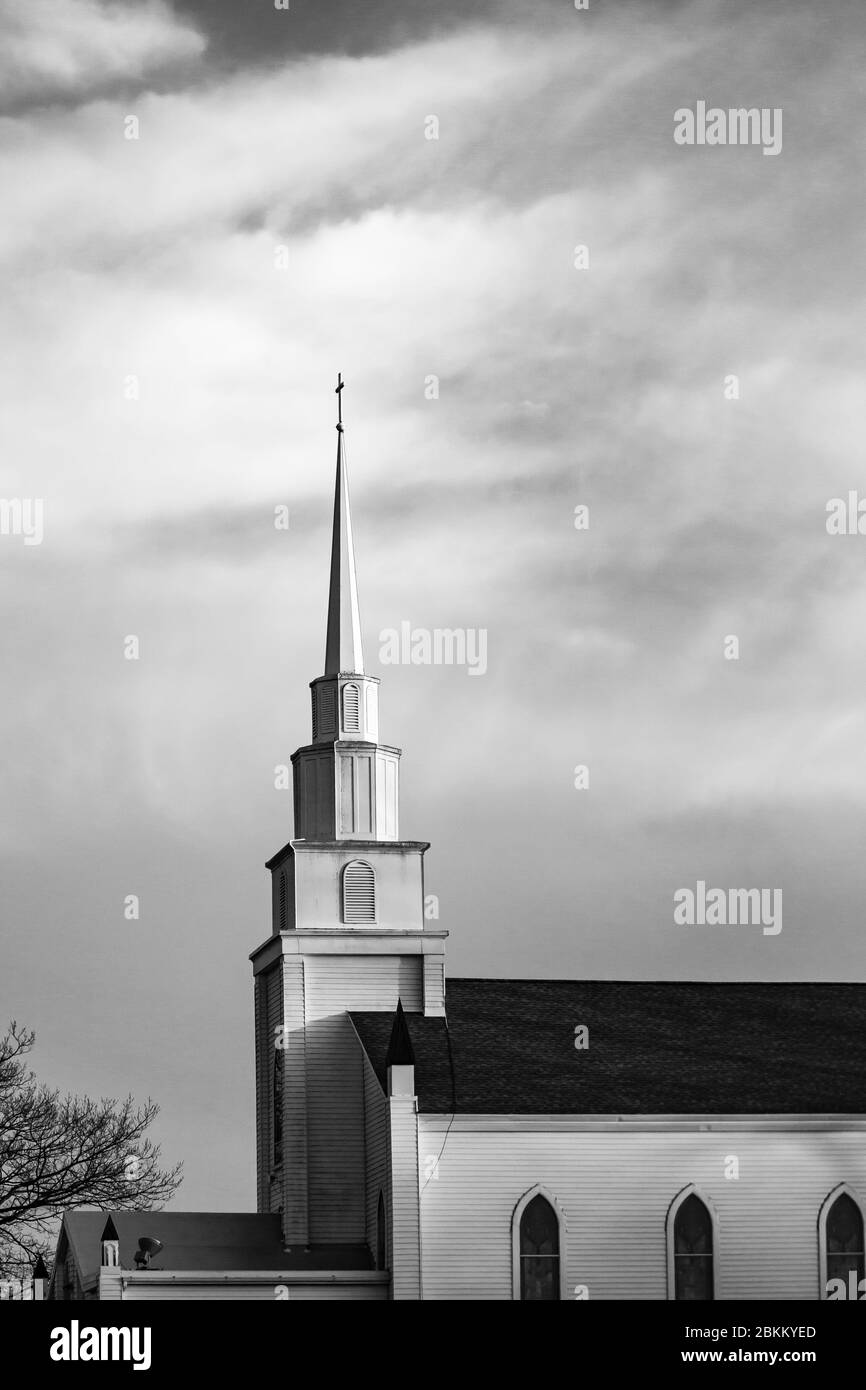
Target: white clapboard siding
(376, 1144)
(335, 1131)
(259, 1009)
(245, 1292)
(295, 1156)
(614, 1189)
(434, 984)
(337, 1185)
(269, 1015)
(335, 984)
(404, 1251)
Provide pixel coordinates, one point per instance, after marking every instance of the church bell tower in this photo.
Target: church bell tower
(348, 933)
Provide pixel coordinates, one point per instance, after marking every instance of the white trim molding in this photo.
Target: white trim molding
(692, 1190)
(381, 1231)
(562, 1226)
(661, 1124)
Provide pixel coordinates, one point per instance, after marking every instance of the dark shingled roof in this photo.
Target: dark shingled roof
(666, 1049)
(202, 1240)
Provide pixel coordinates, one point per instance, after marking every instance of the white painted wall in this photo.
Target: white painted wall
(615, 1189)
(135, 1286)
(399, 884)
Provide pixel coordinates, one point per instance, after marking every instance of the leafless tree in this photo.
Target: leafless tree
(61, 1151)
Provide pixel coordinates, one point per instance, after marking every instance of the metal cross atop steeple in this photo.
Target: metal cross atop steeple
(339, 394)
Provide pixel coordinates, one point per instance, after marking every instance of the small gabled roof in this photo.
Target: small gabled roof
(109, 1231)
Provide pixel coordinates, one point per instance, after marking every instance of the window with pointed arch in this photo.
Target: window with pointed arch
(691, 1249)
(841, 1244)
(536, 1242)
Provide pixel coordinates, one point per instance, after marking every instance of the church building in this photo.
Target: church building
(424, 1137)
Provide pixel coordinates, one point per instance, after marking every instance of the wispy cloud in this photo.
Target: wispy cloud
(52, 51)
(166, 385)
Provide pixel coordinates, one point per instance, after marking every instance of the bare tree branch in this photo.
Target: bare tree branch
(58, 1152)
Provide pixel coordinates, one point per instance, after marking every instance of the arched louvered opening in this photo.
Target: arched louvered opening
(843, 1245)
(277, 1130)
(359, 892)
(315, 694)
(351, 709)
(284, 900)
(539, 1251)
(692, 1253)
(381, 1250)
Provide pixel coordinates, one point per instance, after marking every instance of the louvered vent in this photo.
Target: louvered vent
(283, 900)
(326, 710)
(315, 695)
(351, 709)
(359, 892)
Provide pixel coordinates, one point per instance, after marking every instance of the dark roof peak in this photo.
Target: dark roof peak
(109, 1231)
(400, 1052)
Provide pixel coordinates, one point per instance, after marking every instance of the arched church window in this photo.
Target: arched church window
(359, 892)
(284, 900)
(539, 1251)
(381, 1251)
(692, 1250)
(351, 709)
(842, 1245)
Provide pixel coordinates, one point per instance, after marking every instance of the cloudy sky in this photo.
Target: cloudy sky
(281, 217)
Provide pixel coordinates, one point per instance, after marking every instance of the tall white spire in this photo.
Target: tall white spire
(343, 650)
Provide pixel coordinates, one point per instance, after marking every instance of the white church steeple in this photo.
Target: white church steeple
(345, 700)
(349, 931)
(346, 781)
(343, 649)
